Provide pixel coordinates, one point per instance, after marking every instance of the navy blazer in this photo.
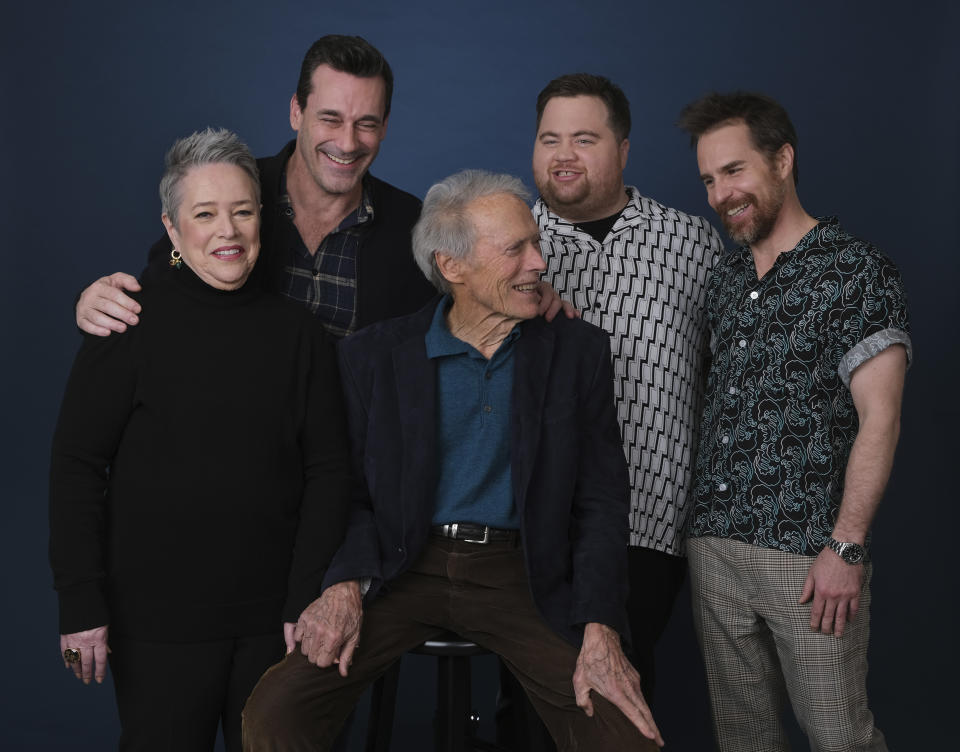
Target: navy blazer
(570, 481)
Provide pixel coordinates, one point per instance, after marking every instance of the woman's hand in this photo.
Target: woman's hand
(93, 648)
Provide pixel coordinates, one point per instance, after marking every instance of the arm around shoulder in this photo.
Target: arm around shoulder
(103, 307)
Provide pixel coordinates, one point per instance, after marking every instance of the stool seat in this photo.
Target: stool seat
(455, 723)
(449, 644)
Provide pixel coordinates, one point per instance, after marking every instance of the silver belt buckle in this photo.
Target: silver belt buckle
(486, 536)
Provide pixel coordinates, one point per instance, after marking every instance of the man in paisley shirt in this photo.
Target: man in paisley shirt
(810, 343)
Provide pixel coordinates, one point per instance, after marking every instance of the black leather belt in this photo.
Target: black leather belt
(472, 533)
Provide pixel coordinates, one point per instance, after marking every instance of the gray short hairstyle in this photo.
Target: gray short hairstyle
(444, 223)
(210, 146)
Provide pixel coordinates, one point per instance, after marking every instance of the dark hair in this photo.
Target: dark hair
(353, 55)
(588, 85)
(769, 124)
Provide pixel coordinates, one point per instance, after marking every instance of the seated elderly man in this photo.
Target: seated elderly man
(494, 495)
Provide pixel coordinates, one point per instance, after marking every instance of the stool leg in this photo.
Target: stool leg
(383, 705)
(452, 720)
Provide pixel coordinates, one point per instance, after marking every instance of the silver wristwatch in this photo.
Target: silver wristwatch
(852, 553)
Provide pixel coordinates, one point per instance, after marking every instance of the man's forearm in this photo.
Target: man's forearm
(868, 471)
(877, 391)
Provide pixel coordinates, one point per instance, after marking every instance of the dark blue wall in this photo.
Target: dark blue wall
(93, 94)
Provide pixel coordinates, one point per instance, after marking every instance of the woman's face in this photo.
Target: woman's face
(218, 225)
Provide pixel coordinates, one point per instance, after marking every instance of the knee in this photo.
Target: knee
(613, 729)
(846, 738)
(269, 716)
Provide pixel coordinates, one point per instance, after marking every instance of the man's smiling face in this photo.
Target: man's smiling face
(578, 160)
(340, 130)
(743, 185)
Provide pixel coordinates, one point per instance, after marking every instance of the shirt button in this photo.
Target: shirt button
(288, 211)
(742, 343)
(487, 408)
(722, 487)
(725, 440)
(596, 306)
(754, 295)
(316, 273)
(733, 390)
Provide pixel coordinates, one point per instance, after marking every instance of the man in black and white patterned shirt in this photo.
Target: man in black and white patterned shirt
(639, 270)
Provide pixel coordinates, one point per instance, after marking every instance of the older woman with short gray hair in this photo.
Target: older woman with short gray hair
(199, 475)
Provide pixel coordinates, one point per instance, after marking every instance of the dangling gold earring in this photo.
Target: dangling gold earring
(175, 259)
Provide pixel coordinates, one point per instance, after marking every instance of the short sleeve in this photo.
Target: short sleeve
(874, 312)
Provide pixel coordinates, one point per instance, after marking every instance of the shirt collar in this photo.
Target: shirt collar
(632, 214)
(362, 214)
(440, 342)
(827, 223)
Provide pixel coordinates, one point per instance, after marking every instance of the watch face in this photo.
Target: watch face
(852, 553)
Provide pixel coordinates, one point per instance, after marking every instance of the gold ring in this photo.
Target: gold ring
(70, 655)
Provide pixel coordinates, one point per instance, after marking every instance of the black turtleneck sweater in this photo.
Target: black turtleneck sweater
(199, 480)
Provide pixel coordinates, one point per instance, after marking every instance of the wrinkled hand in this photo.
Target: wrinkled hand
(834, 587)
(551, 303)
(602, 667)
(103, 308)
(92, 644)
(289, 628)
(328, 630)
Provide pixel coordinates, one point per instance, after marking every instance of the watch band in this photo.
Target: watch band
(851, 553)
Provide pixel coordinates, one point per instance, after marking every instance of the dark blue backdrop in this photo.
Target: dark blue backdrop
(94, 93)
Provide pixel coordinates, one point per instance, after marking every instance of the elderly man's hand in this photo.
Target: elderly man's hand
(103, 308)
(329, 628)
(92, 644)
(602, 667)
(551, 303)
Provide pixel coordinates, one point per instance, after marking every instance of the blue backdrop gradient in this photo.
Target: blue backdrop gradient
(95, 92)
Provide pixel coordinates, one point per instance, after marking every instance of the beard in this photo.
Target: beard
(584, 202)
(564, 198)
(761, 224)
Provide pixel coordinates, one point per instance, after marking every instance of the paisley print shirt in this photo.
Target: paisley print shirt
(779, 419)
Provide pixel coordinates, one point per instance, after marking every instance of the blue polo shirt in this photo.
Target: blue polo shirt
(473, 428)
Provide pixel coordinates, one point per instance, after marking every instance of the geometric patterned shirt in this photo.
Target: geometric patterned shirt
(646, 286)
(779, 420)
(325, 282)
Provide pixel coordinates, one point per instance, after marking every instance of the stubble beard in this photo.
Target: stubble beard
(763, 222)
(331, 185)
(560, 201)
